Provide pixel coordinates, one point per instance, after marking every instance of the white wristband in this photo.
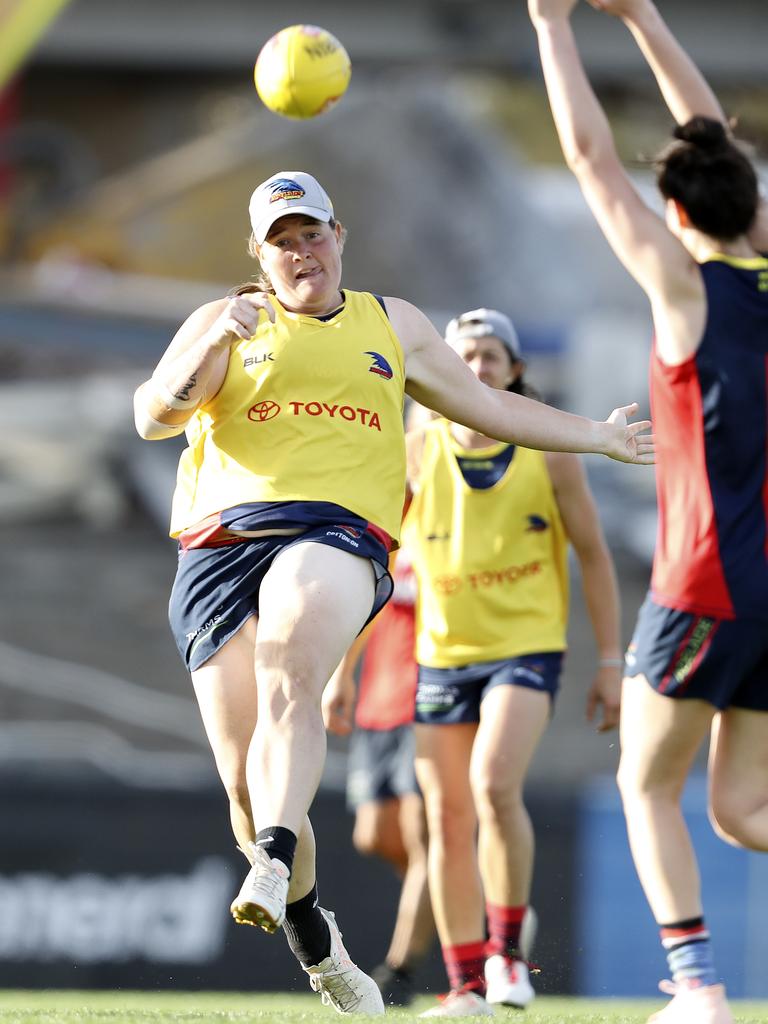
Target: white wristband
(611, 662)
(164, 393)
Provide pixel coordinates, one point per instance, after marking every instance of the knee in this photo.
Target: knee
(451, 825)
(637, 784)
(496, 799)
(731, 821)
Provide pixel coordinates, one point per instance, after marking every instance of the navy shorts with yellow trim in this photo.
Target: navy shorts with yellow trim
(447, 696)
(684, 655)
(217, 588)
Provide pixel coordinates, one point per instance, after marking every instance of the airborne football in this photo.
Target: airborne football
(302, 71)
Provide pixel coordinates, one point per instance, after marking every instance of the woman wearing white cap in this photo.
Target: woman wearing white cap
(288, 499)
(488, 529)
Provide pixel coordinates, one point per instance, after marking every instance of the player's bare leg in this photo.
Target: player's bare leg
(738, 777)
(443, 754)
(415, 926)
(512, 722)
(314, 601)
(660, 737)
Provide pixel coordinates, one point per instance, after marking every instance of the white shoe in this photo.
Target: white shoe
(341, 983)
(461, 1003)
(261, 900)
(507, 982)
(702, 1004)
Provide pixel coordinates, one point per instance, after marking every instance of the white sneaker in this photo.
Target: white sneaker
(461, 1003)
(507, 982)
(691, 1004)
(341, 983)
(261, 900)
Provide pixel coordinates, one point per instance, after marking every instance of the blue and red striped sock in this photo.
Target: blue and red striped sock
(689, 951)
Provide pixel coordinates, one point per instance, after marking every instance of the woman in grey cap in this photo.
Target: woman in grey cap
(488, 528)
(288, 500)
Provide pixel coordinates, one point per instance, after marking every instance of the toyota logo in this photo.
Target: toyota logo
(263, 411)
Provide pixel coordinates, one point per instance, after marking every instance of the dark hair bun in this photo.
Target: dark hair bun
(703, 132)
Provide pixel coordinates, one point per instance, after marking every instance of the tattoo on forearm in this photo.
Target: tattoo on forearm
(183, 392)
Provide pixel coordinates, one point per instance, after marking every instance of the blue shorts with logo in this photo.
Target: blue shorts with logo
(684, 655)
(217, 588)
(447, 696)
(381, 765)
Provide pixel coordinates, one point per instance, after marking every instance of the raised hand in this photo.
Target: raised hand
(623, 442)
(239, 319)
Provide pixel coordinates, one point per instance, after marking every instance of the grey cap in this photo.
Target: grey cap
(482, 323)
(287, 192)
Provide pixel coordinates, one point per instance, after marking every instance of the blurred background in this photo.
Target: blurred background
(130, 140)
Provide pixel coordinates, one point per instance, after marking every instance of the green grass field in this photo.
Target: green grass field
(238, 1007)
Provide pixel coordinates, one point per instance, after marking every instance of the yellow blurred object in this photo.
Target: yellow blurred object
(302, 71)
(22, 23)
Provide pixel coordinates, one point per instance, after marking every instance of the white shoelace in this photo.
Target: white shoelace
(263, 879)
(335, 989)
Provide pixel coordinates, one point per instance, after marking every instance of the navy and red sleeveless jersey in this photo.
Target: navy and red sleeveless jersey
(710, 416)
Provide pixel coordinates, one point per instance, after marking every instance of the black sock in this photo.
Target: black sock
(279, 844)
(307, 930)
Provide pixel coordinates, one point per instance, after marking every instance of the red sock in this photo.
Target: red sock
(465, 966)
(504, 924)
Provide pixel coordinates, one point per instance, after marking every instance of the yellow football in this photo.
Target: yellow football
(302, 71)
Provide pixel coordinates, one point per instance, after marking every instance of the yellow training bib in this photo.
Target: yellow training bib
(310, 410)
(491, 564)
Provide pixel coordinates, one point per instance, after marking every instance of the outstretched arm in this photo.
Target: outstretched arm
(654, 257)
(440, 380)
(684, 88)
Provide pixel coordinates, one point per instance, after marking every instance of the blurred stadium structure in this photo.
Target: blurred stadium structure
(129, 145)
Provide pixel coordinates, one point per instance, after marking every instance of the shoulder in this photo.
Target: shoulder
(411, 325)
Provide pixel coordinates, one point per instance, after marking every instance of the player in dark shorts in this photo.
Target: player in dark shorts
(698, 663)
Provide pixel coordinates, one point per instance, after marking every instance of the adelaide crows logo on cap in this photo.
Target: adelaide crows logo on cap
(380, 366)
(285, 188)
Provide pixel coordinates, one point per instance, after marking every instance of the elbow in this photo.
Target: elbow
(588, 157)
(150, 429)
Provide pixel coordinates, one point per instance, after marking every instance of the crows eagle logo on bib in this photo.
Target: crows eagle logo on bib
(379, 366)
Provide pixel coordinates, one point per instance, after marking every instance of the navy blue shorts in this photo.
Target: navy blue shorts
(683, 655)
(380, 765)
(445, 696)
(217, 589)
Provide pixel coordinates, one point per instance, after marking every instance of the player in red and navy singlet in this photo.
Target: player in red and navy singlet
(697, 666)
(712, 462)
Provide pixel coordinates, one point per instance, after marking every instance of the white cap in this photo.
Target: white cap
(287, 192)
(485, 323)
